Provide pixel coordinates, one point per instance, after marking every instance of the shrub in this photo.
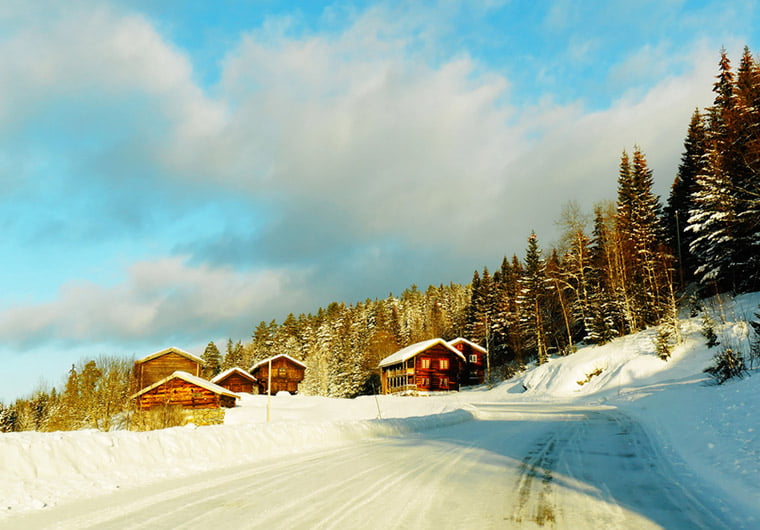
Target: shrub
(727, 364)
(161, 417)
(708, 331)
(589, 375)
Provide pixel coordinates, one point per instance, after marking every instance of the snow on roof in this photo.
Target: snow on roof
(235, 369)
(265, 361)
(199, 381)
(414, 349)
(171, 349)
(459, 340)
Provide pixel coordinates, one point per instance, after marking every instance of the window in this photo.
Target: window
(425, 364)
(444, 382)
(443, 364)
(473, 358)
(282, 372)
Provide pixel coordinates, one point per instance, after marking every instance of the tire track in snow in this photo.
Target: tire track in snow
(124, 508)
(428, 473)
(256, 483)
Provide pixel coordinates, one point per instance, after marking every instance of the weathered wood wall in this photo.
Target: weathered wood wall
(286, 375)
(154, 370)
(182, 393)
(237, 383)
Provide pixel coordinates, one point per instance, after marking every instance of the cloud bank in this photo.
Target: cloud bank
(321, 165)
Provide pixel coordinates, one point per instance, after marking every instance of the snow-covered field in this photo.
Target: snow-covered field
(708, 432)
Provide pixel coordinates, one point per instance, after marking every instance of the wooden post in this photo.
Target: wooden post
(488, 353)
(269, 390)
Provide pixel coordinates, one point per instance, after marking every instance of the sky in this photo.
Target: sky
(175, 172)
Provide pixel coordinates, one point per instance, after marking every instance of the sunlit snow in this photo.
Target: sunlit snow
(707, 433)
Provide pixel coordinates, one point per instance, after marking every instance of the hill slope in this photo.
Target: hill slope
(709, 432)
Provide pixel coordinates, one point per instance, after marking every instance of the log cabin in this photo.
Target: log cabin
(237, 380)
(429, 366)
(185, 390)
(476, 360)
(157, 366)
(287, 374)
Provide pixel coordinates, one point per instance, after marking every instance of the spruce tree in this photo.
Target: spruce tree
(604, 318)
(680, 202)
(234, 355)
(640, 234)
(532, 299)
(724, 218)
(212, 361)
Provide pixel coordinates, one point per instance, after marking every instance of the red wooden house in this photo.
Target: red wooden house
(429, 366)
(237, 380)
(156, 366)
(287, 373)
(476, 360)
(184, 390)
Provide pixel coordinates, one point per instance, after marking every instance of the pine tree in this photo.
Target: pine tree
(604, 319)
(559, 299)
(640, 240)
(234, 355)
(8, 416)
(745, 180)
(532, 298)
(576, 265)
(212, 361)
(726, 214)
(680, 201)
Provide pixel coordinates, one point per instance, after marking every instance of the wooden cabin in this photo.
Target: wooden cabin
(161, 364)
(237, 380)
(429, 366)
(476, 360)
(185, 390)
(287, 374)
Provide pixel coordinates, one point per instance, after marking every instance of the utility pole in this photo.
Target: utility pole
(488, 353)
(269, 390)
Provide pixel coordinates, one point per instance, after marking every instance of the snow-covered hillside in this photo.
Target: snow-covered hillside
(709, 432)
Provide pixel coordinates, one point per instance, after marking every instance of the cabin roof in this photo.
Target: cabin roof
(234, 370)
(459, 340)
(195, 380)
(171, 349)
(265, 361)
(417, 348)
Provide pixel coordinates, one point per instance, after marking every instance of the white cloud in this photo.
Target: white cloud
(98, 55)
(161, 298)
(358, 139)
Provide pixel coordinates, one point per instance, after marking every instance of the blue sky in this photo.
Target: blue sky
(175, 172)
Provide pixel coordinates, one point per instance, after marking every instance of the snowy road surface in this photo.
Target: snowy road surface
(520, 466)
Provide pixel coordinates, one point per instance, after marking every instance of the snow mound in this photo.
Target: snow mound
(38, 470)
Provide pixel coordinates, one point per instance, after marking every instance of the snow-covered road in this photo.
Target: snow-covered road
(520, 465)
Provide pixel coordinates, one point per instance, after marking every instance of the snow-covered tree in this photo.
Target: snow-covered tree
(680, 202)
(531, 300)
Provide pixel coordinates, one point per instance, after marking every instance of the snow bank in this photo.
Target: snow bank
(711, 431)
(43, 469)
